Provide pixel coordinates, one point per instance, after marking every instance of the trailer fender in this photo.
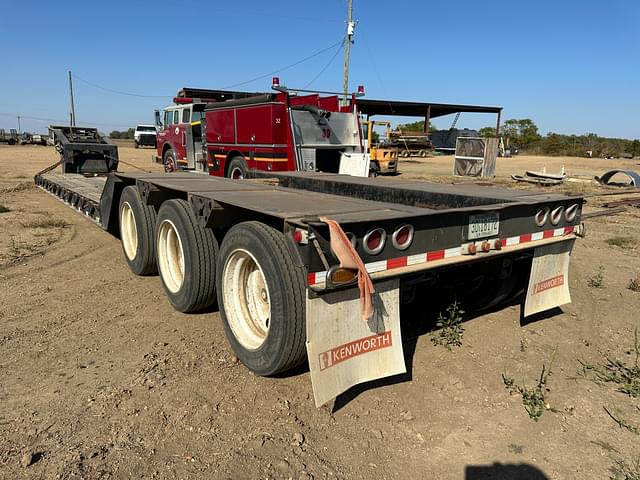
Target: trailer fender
(109, 202)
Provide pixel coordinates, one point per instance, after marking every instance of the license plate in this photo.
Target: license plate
(483, 225)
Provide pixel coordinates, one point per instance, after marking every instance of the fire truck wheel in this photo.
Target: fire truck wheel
(237, 168)
(261, 295)
(137, 226)
(187, 254)
(374, 170)
(169, 161)
(135, 144)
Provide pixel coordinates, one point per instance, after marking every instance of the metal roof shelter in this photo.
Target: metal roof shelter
(422, 109)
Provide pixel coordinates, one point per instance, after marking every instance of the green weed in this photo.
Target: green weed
(622, 423)
(626, 377)
(534, 399)
(597, 279)
(621, 470)
(451, 329)
(46, 223)
(634, 284)
(622, 242)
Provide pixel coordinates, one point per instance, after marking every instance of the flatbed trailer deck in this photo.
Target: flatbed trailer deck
(261, 245)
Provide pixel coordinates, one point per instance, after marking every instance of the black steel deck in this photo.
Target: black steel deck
(80, 192)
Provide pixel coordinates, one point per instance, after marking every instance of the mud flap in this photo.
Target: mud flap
(549, 279)
(343, 349)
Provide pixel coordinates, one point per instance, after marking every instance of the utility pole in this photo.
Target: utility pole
(18, 123)
(347, 47)
(72, 114)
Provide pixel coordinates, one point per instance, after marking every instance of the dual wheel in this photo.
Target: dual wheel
(259, 289)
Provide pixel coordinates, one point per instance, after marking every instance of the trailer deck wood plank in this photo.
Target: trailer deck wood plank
(90, 187)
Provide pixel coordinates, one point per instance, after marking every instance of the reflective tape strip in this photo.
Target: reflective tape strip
(415, 259)
(373, 267)
(418, 258)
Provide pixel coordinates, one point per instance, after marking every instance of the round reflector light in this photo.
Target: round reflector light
(556, 215)
(402, 237)
(571, 212)
(373, 241)
(541, 216)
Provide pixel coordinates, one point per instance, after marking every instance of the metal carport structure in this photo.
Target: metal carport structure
(427, 110)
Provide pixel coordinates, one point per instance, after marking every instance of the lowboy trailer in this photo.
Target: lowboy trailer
(264, 248)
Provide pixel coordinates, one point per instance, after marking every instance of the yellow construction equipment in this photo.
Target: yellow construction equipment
(382, 156)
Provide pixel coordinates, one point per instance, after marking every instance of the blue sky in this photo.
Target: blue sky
(572, 66)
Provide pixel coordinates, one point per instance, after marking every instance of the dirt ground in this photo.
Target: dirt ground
(100, 378)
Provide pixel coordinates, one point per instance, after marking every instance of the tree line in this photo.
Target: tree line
(523, 133)
(127, 134)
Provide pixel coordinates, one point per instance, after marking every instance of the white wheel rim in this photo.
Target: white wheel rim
(247, 303)
(236, 174)
(128, 231)
(170, 256)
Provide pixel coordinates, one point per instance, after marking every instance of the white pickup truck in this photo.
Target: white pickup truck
(145, 135)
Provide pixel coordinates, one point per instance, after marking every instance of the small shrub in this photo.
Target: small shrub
(451, 330)
(597, 279)
(534, 399)
(622, 242)
(46, 223)
(634, 284)
(622, 423)
(626, 377)
(621, 470)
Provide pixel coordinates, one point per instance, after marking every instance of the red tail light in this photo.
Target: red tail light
(300, 236)
(373, 242)
(402, 237)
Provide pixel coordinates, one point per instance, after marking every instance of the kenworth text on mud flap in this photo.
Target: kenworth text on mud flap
(225, 133)
(290, 256)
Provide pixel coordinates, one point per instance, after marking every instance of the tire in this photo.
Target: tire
(374, 170)
(135, 144)
(266, 330)
(237, 169)
(169, 161)
(137, 232)
(186, 254)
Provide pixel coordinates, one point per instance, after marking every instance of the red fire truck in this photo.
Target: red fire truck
(226, 133)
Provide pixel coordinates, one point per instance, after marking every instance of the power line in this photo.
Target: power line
(319, 52)
(119, 92)
(260, 77)
(326, 66)
(57, 120)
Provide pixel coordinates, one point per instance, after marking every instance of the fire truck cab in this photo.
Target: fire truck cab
(179, 139)
(225, 133)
